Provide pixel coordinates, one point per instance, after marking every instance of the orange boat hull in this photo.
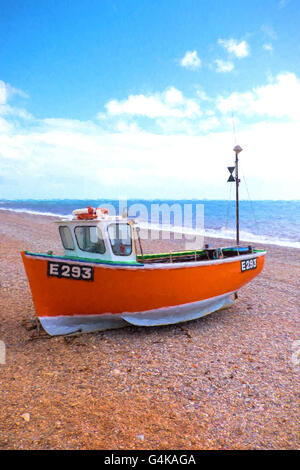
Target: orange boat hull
(139, 294)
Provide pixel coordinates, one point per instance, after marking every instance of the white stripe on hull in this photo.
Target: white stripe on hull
(150, 266)
(62, 325)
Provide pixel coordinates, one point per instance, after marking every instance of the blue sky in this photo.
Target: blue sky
(146, 98)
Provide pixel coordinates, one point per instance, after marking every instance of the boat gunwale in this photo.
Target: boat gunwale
(137, 265)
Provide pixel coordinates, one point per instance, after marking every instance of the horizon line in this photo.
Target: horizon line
(144, 199)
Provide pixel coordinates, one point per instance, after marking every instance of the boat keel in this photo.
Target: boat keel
(68, 325)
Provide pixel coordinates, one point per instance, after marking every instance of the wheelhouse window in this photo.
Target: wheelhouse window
(90, 239)
(120, 239)
(66, 238)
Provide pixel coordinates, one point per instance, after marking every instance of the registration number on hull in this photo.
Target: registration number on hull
(70, 271)
(248, 264)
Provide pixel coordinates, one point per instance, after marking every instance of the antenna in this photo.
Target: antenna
(233, 127)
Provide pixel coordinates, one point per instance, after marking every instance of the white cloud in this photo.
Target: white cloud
(73, 158)
(170, 103)
(68, 125)
(54, 163)
(209, 124)
(279, 99)
(202, 95)
(173, 96)
(150, 106)
(123, 127)
(3, 93)
(7, 91)
(7, 110)
(268, 47)
(238, 49)
(191, 60)
(224, 66)
(5, 126)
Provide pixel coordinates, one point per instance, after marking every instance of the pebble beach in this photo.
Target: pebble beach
(226, 381)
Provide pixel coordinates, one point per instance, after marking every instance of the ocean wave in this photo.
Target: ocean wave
(213, 233)
(252, 237)
(224, 233)
(28, 211)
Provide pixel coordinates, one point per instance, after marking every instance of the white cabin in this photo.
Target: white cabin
(98, 236)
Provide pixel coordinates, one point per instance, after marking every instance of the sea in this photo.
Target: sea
(266, 222)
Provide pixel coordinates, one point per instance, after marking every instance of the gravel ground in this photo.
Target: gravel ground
(227, 381)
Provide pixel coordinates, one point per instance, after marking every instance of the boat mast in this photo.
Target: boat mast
(237, 149)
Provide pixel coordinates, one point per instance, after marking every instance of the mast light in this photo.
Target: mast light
(237, 149)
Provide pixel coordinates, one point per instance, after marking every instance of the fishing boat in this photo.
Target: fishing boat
(102, 282)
